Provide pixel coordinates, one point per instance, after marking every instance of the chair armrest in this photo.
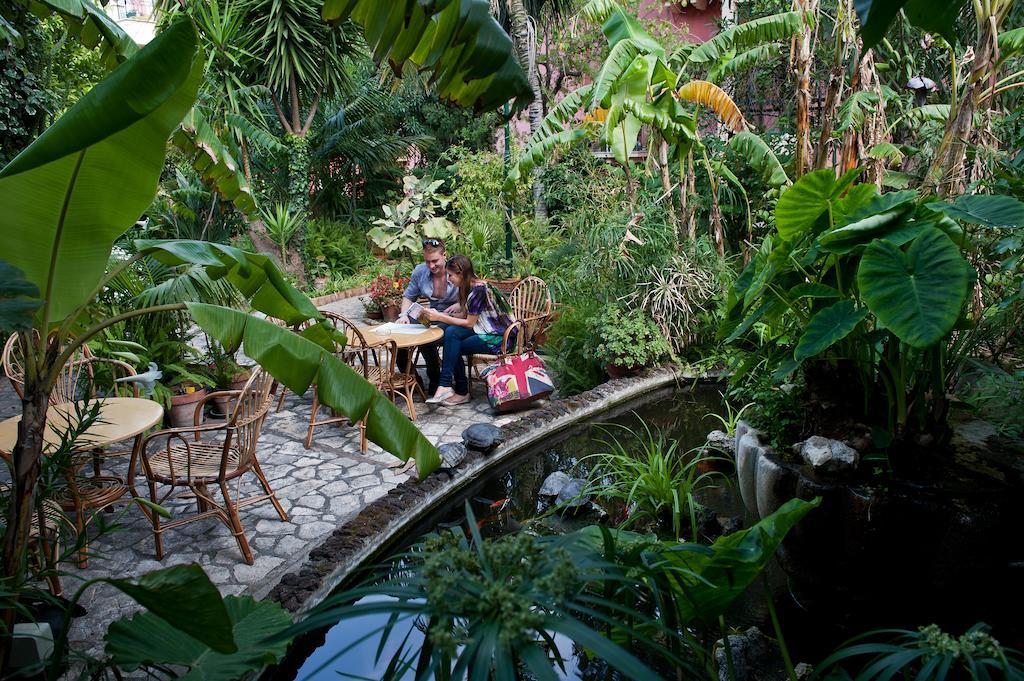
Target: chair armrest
(517, 327)
(167, 432)
(197, 416)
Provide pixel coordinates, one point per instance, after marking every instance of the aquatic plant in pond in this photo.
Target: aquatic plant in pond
(654, 481)
(458, 606)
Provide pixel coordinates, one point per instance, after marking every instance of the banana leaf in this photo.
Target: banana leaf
(300, 360)
(90, 25)
(933, 16)
(199, 143)
(92, 173)
(19, 299)
(469, 57)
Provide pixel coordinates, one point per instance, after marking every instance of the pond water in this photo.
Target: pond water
(505, 499)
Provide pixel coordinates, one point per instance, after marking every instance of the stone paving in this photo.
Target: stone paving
(320, 488)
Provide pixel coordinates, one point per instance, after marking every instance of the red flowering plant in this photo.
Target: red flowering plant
(387, 290)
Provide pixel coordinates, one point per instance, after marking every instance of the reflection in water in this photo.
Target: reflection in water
(504, 502)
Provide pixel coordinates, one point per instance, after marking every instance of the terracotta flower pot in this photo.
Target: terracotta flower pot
(183, 408)
(391, 312)
(221, 403)
(373, 313)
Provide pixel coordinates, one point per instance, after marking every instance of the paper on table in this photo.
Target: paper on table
(391, 327)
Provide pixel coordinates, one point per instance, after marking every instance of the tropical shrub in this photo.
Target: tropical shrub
(334, 249)
(568, 349)
(417, 216)
(864, 291)
(628, 339)
(497, 604)
(928, 653)
(282, 224)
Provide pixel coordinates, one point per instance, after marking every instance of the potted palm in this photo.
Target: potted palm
(629, 341)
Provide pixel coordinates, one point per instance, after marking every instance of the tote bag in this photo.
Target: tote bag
(516, 381)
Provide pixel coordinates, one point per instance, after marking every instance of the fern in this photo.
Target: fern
(760, 157)
(715, 98)
(750, 34)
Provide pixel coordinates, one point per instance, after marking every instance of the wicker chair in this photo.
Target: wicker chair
(79, 379)
(194, 466)
(356, 355)
(44, 539)
(531, 304)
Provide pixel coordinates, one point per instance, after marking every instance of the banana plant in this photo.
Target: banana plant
(634, 87)
(77, 189)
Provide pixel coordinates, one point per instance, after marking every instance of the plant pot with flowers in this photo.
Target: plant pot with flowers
(386, 293)
(629, 341)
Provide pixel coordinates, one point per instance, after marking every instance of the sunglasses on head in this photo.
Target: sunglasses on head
(433, 243)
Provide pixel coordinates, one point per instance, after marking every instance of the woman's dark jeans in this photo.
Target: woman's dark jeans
(459, 341)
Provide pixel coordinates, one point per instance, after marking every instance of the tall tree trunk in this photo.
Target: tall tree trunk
(666, 186)
(945, 177)
(802, 58)
(525, 41)
(836, 80)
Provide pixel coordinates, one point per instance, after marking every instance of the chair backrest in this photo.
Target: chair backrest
(248, 413)
(355, 353)
(531, 304)
(76, 376)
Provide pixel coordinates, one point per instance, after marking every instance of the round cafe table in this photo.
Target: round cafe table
(120, 418)
(402, 340)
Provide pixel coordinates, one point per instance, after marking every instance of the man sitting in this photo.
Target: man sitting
(429, 280)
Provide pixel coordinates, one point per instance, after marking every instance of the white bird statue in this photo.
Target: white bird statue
(145, 381)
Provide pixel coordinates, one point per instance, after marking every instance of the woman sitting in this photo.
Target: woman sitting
(477, 329)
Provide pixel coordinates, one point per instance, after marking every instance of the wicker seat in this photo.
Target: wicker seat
(376, 364)
(189, 465)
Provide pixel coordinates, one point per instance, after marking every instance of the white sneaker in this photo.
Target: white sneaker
(441, 395)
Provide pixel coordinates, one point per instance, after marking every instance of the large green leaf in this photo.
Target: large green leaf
(801, 208)
(744, 61)
(255, 276)
(298, 361)
(760, 157)
(184, 599)
(984, 209)
(469, 57)
(91, 174)
(934, 16)
(617, 24)
(198, 141)
(706, 580)
(883, 214)
(753, 33)
(917, 294)
(90, 25)
(19, 299)
(147, 640)
(828, 327)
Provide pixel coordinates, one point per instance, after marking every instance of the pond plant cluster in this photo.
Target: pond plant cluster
(852, 263)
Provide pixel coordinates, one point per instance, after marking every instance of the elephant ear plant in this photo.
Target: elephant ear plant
(866, 292)
(79, 187)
